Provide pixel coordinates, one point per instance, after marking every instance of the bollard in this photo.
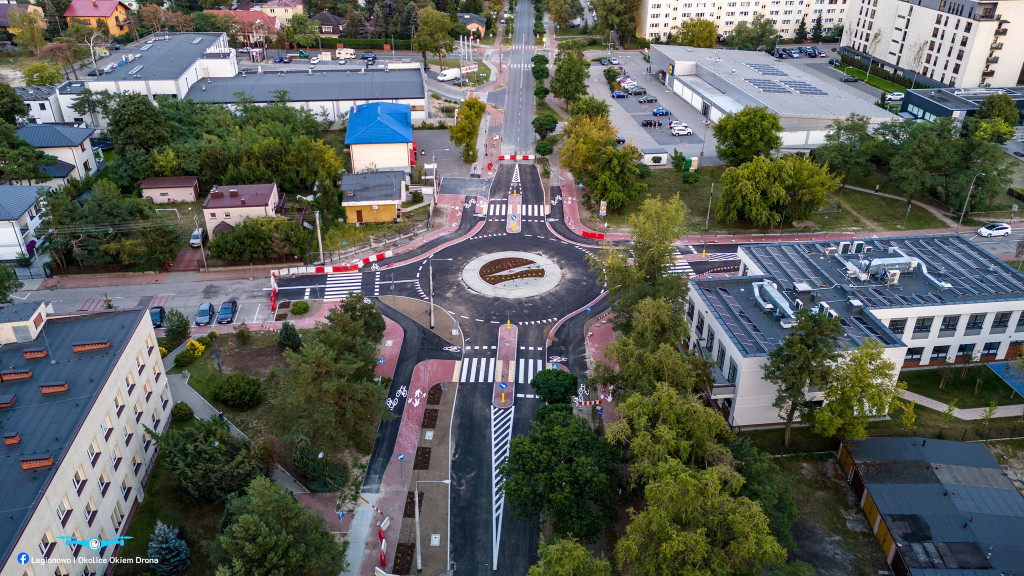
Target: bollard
(502, 397)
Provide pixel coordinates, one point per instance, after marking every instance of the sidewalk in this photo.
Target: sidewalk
(601, 333)
(962, 413)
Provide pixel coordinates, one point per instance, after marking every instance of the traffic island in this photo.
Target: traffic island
(514, 220)
(505, 375)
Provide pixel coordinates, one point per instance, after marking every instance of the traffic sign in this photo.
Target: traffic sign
(401, 456)
(587, 308)
(383, 360)
(513, 217)
(554, 366)
(503, 385)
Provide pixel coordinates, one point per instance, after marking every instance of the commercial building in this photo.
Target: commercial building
(111, 16)
(328, 91)
(19, 217)
(229, 205)
(68, 144)
(961, 44)
(937, 507)
(931, 103)
(170, 189)
(719, 82)
(379, 137)
(930, 300)
(75, 398)
(659, 18)
(373, 196)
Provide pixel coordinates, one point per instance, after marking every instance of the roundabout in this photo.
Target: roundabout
(511, 274)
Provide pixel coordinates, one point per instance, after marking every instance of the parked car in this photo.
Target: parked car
(637, 91)
(205, 314)
(661, 112)
(604, 61)
(198, 235)
(368, 56)
(95, 72)
(157, 315)
(278, 59)
(650, 123)
(246, 70)
(342, 61)
(848, 78)
(833, 61)
(372, 59)
(1018, 153)
(648, 99)
(894, 97)
(286, 59)
(801, 50)
(681, 131)
(677, 124)
(314, 60)
(619, 94)
(620, 140)
(620, 69)
(995, 229)
(226, 314)
(614, 61)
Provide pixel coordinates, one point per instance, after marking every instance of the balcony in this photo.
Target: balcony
(1002, 31)
(988, 73)
(992, 60)
(996, 46)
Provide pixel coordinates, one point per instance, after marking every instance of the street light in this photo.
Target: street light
(416, 508)
(433, 161)
(968, 201)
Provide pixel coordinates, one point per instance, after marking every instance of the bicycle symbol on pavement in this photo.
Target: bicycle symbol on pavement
(452, 349)
(375, 267)
(393, 402)
(557, 359)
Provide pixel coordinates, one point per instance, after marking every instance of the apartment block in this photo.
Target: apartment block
(76, 396)
(659, 18)
(963, 44)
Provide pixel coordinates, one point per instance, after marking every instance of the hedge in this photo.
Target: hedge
(881, 73)
(377, 43)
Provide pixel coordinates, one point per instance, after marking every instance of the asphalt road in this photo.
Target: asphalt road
(517, 133)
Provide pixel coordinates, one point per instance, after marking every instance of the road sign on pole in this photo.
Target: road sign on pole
(503, 385)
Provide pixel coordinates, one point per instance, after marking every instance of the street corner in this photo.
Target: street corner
(390, 348)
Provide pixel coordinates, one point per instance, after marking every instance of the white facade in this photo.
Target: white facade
(961, 44)
(659, 18)
(44, 109)
(81, 157)
(15, 235)
(390, 156)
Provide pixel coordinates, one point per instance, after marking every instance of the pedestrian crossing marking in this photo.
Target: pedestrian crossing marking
(501, 438)
(529, 210)
(340, 285)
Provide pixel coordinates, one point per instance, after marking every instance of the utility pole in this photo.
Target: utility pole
(431, 280)
(202, 249)
(320, 238)
(707, 220)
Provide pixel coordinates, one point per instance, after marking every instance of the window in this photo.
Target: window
(923, 325)
(79, 479)
(93, 451)
(227, 215)
(63, 510)
(700, 325)
(90, 511)
(213, 215)
(127, 433)
(104, 483)
(990, 349)
(126, 488)
(156, 374)
(107, 427)
(89, 570)
(59, 570)
(115, 457)
(46, 544)
(140, 361)
(148, 389)
(117, 516)
(721, 357)
(965, 351)
(86, 166)
(129, 382)
(689, 310)
(149, 344)
(136, 463)
(138, 411)
(898, 326)
(164, 398)
(118, 404)
(976, 321)
(731, 378)
(949, 323)
(940, 352)
(914, 354)
(1002, 320)
(711, 341)
(146, 438)
(42, 106)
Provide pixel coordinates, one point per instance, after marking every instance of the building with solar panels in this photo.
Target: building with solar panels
(718, 82)
(937, 508)
(930, 300)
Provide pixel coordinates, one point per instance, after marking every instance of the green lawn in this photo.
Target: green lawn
(960, 386)
(890, 213)
(873, 81)
(163, 503)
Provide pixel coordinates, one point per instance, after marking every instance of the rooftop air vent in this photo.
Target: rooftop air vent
(33, 463)
(34, 353)
(87, 346)
(12, 439)
(13, 373)
(53, 388)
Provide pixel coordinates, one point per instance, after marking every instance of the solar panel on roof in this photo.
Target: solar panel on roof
(765, 69)
(765, 85)
(804, 88)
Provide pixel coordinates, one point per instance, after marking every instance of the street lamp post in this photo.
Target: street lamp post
(968, 201)
(433, 162)
(416, 509)
(706, 124)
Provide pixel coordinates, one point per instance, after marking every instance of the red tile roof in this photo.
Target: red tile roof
(248, 17)
(92, 8)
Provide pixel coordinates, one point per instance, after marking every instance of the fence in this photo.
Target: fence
(374, 245)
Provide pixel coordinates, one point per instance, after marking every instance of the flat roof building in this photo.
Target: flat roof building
(937, 508)
(928, 299)
(74, 398)
(931, 103)
(718, 82)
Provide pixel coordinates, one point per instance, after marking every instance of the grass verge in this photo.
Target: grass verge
(960, 386)
(872, 81)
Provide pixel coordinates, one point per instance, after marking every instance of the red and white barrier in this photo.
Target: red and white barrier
(589, 403)
(516, 157)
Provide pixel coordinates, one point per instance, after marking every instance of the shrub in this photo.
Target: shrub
(197, 348)
(239, 391)
(416, 196)
(163, 352)
(656, 159)
(644, 170)
(288, 338)
(213, 335)
(540, 59)
(243, 335)
(182, 412)
(540, 72)
(691, 177)
(204, 341)
(678, 160)
(544, 148)
(320, 474)
(184, 358)
(300, 307)
(541, 91)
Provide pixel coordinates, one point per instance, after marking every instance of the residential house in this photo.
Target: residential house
(110, 16)
(5, 9)
(19, 217)
(77, 399)
(42, 101)
(67, 143)
(373, 196)
(330, 24)
(474, 22)
(283, 10)
(170, 189)
(251, 27)
(379, 137)
(231, 204)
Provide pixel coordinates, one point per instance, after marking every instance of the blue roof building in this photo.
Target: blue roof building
(380, 137)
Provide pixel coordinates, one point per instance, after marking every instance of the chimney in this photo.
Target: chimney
(234, 192)
(243, 200)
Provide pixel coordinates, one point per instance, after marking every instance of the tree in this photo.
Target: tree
(817, 30)
(847, 148)
(570, 80)
(28, 28)
(12, 106)
(152, 17)
(694, 525)
(541, 92)
(408, 26)
(588, 106)
(641, 369)
(561, 12)
(91, 38)
(863, 386)
(19, 160)
(751, 132)
(208, 462)
(696, 32)
(66, 53)
(267, 532)
(544, 148)
(136, 124)
(564, 471)
(545, 124)
(584, 138)
(540, 59)
(567, 557)
(999, 106)
(9, 283)
(540, 72)
(168, 549)
(288, 338)
(768, 486)
(554, 386)
(177, 326)
(669, 426)
(42, 73)
(908, 416)
(805, 359)
(760, 32)
(91, 103)
(618, 181)
(320, 474)
(765, 190)
(801, 31)
(432, 35)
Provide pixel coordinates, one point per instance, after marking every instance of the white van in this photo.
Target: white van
(345, 53)
(449, 75)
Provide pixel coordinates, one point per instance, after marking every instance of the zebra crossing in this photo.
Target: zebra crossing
(680, 266)
(340, 285)
(482, 370)
(501, 209)
(722, 256)
(528, 368)
(501, 438)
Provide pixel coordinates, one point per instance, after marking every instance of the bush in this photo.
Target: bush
(204, 341)
(320, 474)
(300, 307)
(239, 391)
(182, 412)
(690, 177)
(540, 59)
(541, 91)
(544, 148)
(197, 348)
(184, 358)
(163, 352)
(243, 335)
(644, 170)
(416, 196)
(678, 160)
(177, 327)
(288, 338)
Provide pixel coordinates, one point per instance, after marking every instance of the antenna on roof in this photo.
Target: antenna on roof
(47, 342)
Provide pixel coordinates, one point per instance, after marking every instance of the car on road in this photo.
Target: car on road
(226, 314)
(314, 60)
(848, 78)
(278, 59)
(661, 112)
(680, 131)
(205, 314)
(95, 73)
(647, 99)
(995, 229)
(619, 94)
(833, 61)
(246, 70)
(614, 61)
(894, 97)
(157, 315)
